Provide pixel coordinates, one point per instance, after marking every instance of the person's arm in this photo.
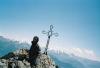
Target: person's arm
(39, 48)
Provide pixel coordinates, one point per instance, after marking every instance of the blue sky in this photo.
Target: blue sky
(76, 21)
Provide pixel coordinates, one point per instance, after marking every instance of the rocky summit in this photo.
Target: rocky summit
(19, 59)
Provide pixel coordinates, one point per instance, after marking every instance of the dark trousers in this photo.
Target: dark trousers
(32, 61)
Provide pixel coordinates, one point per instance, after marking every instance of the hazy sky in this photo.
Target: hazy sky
(76, 21)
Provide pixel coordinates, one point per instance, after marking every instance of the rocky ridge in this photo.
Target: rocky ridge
(19, 59)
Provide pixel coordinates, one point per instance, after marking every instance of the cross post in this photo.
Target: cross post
(50, 33)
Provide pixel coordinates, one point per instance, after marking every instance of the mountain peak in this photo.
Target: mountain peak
(42, 60)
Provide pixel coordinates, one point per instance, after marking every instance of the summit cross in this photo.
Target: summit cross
(49, 33)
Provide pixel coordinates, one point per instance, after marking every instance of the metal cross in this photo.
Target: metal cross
(50, 33)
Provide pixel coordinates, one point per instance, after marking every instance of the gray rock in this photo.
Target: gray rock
(43, 61)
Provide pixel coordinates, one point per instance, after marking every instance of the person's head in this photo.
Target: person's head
(35, 40)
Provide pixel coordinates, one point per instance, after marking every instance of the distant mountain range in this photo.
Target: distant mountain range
(7, 45)
(71, 61)
(63, 59)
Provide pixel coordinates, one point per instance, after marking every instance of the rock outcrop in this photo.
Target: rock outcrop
(19, 59)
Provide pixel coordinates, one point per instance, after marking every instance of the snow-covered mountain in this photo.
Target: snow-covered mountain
(78, 52)
(65, 58)
(69, 60)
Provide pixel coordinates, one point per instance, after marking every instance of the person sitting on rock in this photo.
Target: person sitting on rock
(34, 51)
